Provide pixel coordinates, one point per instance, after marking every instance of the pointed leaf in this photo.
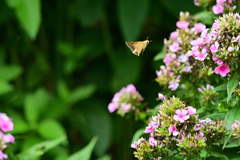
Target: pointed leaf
(205, 17)
(5, 87)
(39, 149)
(28, 13)
(51, 129)
(231, 85)
(9, 72)
(216, 154)
(85, 153)
(161, 54)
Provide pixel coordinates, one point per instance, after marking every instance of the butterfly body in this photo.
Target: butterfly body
(137, 47)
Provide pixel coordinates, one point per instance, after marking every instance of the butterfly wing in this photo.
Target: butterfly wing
(136, 47)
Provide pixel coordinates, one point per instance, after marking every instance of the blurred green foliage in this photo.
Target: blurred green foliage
(62, 61)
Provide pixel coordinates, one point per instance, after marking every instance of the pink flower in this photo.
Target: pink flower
(199, 27)
(112, 107)
(220, 62)
(234, 126)
(134, 144)
(131, 88)
(197, 127)
(181, 115)
(173, 129)
(201, 134)
(8, 138)
(174, 35)
(149, 129)
(214, 47)
(199, 42)
(173, 85)
(218, 8)
(159, 158)
(182, 24)
(160, 96)
(223, 70)
(116, 97)
(201, 56)
(152, 141)
(2, 155)
(200, 89)
(174, 47)
(167, 60)
(216, 26)
(6, 123)
(125, 107)
(191, 110)
(230, 49)
(209, 87)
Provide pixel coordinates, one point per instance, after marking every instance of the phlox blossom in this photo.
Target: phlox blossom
(181, 115)
(174, 35)
(173, 129)
(112, 107)
(174, 47)
(134, 144)
(6, 123)
(182, 24)
(125, 107)
(191, 110)
(173, 85)
(2, 155)
(223, 70)
(199, 27)
(217, 9)
(160, 96)
(152, 141)
(131, 88)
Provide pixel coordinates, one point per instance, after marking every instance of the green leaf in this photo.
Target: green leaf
(31, 110)
(28, 13)
(138, 134)
(222, 87)
(85, 153)
(231, 85)
(87, 122)
(106, 157)
(132, 15)
(39, 149)
(216, 154)
(5, 87)
(9, 72)
(233, 114)
(161, 54)
(50, 129)
(20, 126)
(81, 93)
(92, 8)
(63, 90)
(215, 116)
(205, 17)
(13, 3)
(233, 144)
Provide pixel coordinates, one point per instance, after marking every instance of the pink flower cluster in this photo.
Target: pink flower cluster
(220, 46)
(152, 125)
(6, 125)
(221, 5)
(176, 59)
(126, 99)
